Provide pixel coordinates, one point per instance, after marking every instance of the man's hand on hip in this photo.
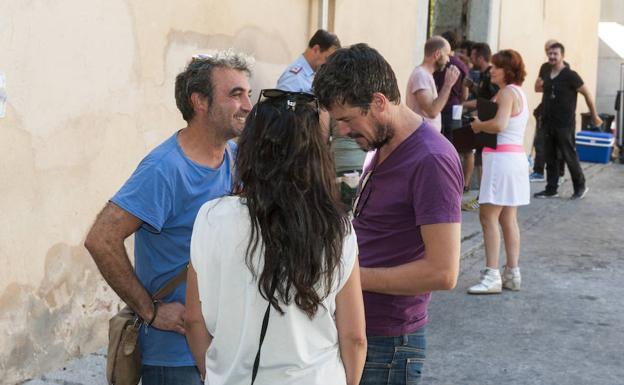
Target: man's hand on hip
(170, 316)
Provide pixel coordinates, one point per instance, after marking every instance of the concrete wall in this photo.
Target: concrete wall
(398, 32)
(448, 16)
(90, 92)
(610, 54)
(526, 25)
(484, 22)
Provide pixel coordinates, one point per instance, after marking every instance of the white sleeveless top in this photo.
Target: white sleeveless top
(514, 132)
(297, 350)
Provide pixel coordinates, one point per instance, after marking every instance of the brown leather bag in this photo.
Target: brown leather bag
(123, 362)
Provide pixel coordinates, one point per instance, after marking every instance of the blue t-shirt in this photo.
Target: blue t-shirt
(165, 192)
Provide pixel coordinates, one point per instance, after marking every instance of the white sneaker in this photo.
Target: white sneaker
(511, 278)
(490, 282)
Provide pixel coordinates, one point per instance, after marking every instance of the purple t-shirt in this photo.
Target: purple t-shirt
(419, 183)
(456, 91)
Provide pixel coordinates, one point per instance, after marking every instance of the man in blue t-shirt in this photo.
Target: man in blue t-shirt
(159, 202)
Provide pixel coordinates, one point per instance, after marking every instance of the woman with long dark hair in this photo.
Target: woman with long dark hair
(274, 278)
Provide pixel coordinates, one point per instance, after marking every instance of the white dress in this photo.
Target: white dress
(505, 179)
(296, 350)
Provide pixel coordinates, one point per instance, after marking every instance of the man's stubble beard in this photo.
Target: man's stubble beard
(384, 134)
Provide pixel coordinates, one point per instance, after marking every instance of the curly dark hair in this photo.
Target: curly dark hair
(286, 179)
(351, 75)
(511, 63)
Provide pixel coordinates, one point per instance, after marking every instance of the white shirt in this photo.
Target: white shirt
(296, 350)
(421, 79)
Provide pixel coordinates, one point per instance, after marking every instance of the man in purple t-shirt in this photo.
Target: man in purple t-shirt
(407, 213)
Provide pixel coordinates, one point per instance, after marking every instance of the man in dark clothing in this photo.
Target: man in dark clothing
(483, 88)
(560, 89)
(538, 141)
(459, 93)
(480, 55)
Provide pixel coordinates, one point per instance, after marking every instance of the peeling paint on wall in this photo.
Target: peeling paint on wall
(65, 316)
(91, 87)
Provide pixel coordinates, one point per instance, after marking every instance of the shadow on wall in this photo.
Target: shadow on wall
(66, 316)
(270, 51)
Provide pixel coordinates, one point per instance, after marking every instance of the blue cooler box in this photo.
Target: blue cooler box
(594, 146)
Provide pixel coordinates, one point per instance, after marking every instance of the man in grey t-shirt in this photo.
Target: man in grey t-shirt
(422, 95)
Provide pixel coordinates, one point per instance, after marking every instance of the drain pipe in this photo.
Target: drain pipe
(619, 124)
(323, 14)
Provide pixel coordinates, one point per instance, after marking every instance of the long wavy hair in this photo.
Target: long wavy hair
(286, 178)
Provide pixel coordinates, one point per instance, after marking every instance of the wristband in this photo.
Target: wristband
(154, 311)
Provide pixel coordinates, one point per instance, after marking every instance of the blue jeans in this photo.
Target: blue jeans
(170, 375)
(395, 360)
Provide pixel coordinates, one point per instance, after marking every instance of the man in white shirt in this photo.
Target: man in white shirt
(422, 96)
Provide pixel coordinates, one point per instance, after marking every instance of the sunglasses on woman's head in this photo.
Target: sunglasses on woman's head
(292, 98)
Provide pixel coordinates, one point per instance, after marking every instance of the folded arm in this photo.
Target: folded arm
(504, 99)
(429, 106)
(437, 270)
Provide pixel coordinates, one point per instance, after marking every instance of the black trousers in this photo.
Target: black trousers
(540, 156)
(561, 139)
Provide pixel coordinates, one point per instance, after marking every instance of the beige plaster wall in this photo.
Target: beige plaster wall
(90, 92)
(397, 29)
(526, 25)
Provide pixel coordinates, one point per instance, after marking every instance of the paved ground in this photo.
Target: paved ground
(566, 325)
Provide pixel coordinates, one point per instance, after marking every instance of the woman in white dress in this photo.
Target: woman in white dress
(505, 179)
(277, 261)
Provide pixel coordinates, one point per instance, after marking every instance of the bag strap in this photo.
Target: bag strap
(232, 161)
(171, 284)
(265, 324)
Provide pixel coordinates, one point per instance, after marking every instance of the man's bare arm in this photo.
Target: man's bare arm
(197, 335)
(105, 242)
(539, 85)
(583, 90)
(437, 270)
(432, 107)
(429, 106)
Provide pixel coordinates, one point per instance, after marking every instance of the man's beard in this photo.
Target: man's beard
(439, 66)
(383, 136)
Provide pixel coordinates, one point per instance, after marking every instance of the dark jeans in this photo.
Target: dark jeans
(170, 375)
(540, 156)
(395, 360)
(561, 139)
